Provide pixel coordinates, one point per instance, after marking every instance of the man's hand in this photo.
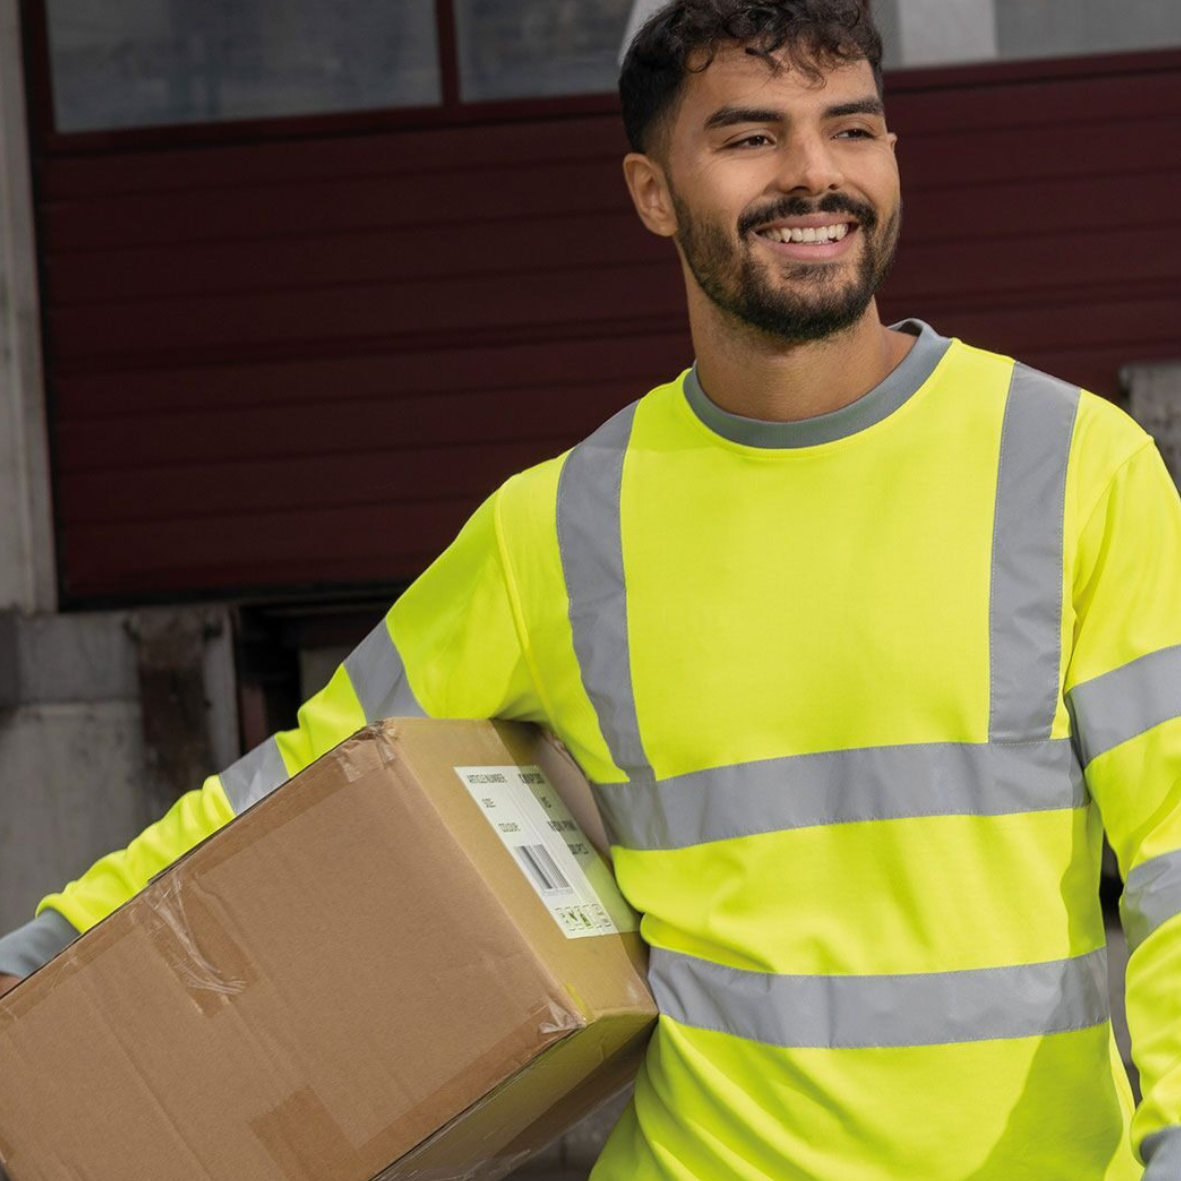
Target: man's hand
(8, 982)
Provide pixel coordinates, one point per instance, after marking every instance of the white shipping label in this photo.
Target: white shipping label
(561, 865)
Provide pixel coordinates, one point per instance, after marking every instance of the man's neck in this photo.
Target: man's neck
(751, 375)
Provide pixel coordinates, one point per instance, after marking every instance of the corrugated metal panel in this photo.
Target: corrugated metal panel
(299, 364)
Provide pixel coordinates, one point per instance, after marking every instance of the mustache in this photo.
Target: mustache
(796, 207)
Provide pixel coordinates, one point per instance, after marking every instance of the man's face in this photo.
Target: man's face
(752, 154)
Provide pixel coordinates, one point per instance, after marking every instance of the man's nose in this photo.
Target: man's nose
(809, 163)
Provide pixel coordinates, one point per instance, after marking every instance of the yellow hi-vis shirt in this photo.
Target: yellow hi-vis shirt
(859, 695)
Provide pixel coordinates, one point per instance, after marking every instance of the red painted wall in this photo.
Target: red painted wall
(294, 360)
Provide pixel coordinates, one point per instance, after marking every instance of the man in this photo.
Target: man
(862, 634)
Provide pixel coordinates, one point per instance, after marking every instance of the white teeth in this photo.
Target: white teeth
(820, 234)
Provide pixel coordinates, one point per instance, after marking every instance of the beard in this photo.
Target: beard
(793, 302)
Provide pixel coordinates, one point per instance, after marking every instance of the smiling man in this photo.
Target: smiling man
(778, 182)
(863, 635)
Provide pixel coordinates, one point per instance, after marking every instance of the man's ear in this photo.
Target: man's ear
(650, 194)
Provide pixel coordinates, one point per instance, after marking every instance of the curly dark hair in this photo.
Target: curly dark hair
(802, 34)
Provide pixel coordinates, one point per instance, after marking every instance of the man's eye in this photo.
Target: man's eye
(857, 131)
(738, 143)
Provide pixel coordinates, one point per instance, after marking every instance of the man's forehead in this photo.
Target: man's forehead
(735, 77)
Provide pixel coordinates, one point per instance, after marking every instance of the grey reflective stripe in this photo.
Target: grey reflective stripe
(590, 541)
(1025, 604)
(843, 786)
(1151, 895)
(922, 1009)
(1162, 1155)
(1120, 704)
(906, 379)
(24, 950)
(378, 677)
(255, 775)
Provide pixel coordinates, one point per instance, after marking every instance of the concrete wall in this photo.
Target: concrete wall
(26, 537)
(94, 744)
(104, 717)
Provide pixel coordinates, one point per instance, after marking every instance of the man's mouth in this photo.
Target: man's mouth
(810, 243)
(830, 233)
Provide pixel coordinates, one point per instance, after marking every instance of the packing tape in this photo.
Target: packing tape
(303, 1139)
(212, 971)
(307, 1143)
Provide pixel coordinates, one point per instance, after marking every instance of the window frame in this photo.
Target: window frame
(452, 112)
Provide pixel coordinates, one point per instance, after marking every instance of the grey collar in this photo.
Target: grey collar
(907, 378)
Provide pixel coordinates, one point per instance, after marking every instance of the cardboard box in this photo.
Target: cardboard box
(407, 962)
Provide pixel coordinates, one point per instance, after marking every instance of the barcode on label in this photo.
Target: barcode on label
(542, 868)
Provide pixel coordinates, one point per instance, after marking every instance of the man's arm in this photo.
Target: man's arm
(27, 948)
(449, 647)
(1124, 696)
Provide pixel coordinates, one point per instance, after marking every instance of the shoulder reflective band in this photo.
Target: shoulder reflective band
(591, 545)
(1025, 604)
(1152, 895)
(922, 1009)
(255, 775)
(1120, 704)
(1162, 1155)
(378, 677)
(842, 786)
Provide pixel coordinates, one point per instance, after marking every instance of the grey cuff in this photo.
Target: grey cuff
(1162, 1155)
(24, 950)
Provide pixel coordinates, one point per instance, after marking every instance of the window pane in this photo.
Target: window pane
(942, 32)
(519, 48)
(1065, 28)
(140, 63)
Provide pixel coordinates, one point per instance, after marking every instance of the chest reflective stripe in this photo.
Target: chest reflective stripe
(1019, 769)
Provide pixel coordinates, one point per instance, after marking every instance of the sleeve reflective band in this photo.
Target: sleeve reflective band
(255, 775)
(24, 950)
(1162, 1155)
(378, 677)
(1123, 703)
(1152, 895)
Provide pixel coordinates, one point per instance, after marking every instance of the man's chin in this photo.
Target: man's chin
(802, 322)
(777, 271)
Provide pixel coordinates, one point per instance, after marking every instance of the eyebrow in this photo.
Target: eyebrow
(728, 116)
